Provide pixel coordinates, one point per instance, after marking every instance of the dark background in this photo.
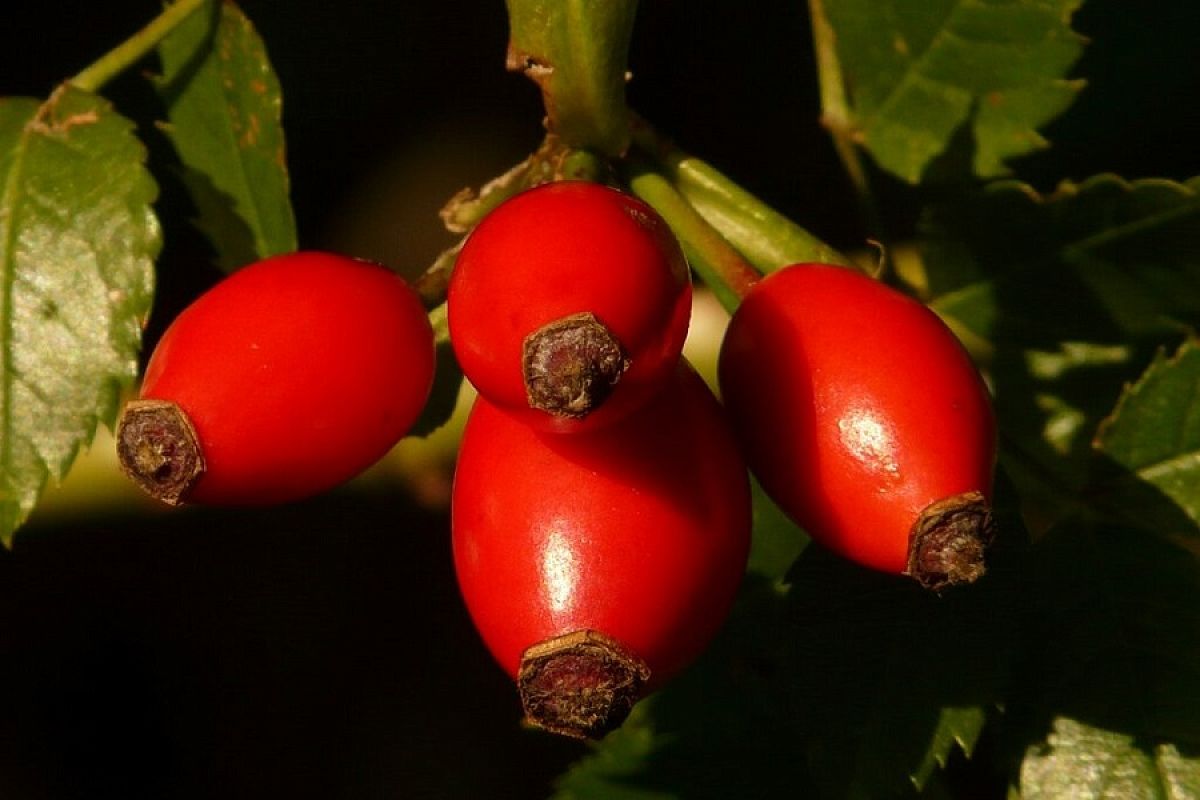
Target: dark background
(320, 649)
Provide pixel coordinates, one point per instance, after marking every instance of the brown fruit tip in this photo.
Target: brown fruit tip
(159, 450)
(571, 365)
(581, 684)
(948, 543)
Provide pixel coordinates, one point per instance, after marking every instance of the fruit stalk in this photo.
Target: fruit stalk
(768, 239)
(721, 266)
(136, 47)
(576, 52)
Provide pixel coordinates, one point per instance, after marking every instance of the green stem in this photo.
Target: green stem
(836, 115)
(115, 61)
(719, 265)
(768, 239)
(576, 51)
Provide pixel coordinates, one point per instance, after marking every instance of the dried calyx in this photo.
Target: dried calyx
(581, 684)
(571, 365)
(948, 543)
(158, 448)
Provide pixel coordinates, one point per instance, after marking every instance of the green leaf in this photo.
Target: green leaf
(777, 541)
(725, 728)
(224, 119)
(1154, 435)
(1128, 251)
(1069, 295)
(1078, 760)
(851, 684)
(576, 51)
(1112, 707)
(913, 74)
(77, 241)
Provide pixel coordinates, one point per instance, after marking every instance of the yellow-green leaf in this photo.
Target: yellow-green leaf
(78, 238)
(224, 118)
(1112, 709)
(913, 73)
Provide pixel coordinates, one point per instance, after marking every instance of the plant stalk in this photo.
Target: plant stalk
(836, 115)
(136, 47)
(768, 239)
(576, 51)
(719, 265)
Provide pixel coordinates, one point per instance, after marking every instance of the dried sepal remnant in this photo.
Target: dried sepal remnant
(571, 365)
(158, 448)
(949, 541)
(581, 684)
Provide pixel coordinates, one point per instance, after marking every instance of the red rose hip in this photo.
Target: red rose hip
(569, 305)
(865, 420)
(285, 379)
(596, 566)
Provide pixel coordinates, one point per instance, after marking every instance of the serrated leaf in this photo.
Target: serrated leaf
(725, 728)
(224, 112)
(851, 684)
(1113, 708)
(1072, 292)
(1154, 433)
(1125, 251)
(77, 241)
(915, 73)
(1078, 760)
(894, 678)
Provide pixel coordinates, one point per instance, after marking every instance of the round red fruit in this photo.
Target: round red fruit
(285, 379)
(569, 304)
(597, 566)
(865, 420)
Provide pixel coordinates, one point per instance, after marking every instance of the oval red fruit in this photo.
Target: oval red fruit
(860, 412)
(569, 304)
(635, 536)
(293, 375)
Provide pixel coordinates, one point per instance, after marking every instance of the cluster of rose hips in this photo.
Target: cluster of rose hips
(601, 512)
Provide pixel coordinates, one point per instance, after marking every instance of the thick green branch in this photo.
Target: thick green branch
(576, 51)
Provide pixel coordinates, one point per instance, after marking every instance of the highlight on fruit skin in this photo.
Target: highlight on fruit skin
(865, 420)
(283, 380)
(596, 566)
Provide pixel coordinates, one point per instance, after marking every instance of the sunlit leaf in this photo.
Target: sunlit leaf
(1078, 760)
(224, 119)
(1113, 709)
(915, 72)
(77, 241)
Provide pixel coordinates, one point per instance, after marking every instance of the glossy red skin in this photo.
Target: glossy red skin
(640, 531)
(297, 372)
(560, 249)
(856, 407)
